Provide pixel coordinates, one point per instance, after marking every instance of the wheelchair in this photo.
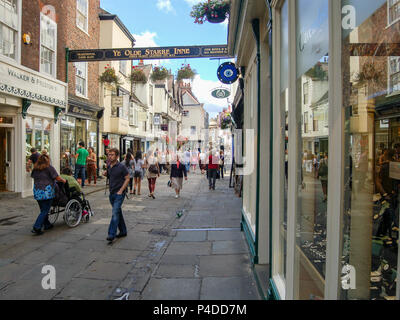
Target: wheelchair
(75, 210)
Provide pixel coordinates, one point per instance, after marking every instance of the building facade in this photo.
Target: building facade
(80, 25)
(32, 93)
(334, 213)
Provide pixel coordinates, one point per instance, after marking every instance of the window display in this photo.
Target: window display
(372, 150)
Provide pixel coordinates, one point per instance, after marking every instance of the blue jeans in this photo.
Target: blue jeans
(43, 218)
(80, 169)
(117, 220)
(187, 167)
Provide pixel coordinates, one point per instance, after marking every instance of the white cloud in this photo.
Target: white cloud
(165, 5)
(192, 2)
(202, 90)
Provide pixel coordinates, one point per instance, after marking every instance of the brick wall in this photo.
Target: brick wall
(68, 35)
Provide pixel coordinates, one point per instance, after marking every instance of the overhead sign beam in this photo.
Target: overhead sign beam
(184, 52)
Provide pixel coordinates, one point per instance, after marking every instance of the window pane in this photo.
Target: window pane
(312, 72)
(7, 41)
(372, 155)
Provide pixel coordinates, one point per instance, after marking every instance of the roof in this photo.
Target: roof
(104, 15)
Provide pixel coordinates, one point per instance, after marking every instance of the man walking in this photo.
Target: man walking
(119, 177)
(80, 165)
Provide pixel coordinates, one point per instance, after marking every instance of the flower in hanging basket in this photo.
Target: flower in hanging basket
(109, 76)
(137, 75)
(214, 11)
(159, 73)
(186, 72)
(226, 121)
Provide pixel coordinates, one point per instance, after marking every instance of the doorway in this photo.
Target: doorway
(5, 159)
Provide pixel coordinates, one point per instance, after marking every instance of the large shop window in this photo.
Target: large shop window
(312, 159)
(8, 28)
(48, 43)
(370, 79)
(38, 134)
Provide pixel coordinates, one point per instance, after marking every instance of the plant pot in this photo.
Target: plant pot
(221, 16)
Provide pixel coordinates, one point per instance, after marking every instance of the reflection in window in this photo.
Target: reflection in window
(8, 28)
(372, 157)
(312, 99)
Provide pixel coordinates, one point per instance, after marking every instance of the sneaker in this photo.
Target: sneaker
(48, 227)
(110, 239)
(37, 231)
(119, 235)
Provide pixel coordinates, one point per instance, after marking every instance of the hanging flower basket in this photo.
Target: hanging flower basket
(186, 72)
(370, 74)
(159, 73)
(226, 121)
(109, 76)
(137, 76)
(213, 11)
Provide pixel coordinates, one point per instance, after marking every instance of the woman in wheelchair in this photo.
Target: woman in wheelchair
(66, 174)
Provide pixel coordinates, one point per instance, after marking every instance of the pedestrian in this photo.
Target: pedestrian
(202, 161)
(221, 163)
(129, 163)
(323, 175)
(163, 163)
(118, 175)
(138, 172)
(32, 159)
(178, 170)
(92, 166)
(212, 169)
(187, 160)
(153, 171)
(80, 166)
(194, 160)
(44, 178)
(73, 185)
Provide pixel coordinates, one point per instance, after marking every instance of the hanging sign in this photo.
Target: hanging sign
(117, 101)
(220, 93)
(149, 53)
(227, 73)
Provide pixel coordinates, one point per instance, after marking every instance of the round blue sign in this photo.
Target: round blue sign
(227, 73)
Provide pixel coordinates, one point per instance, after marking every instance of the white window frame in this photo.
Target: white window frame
(123, 64)
(389, 23)
(390, 90)
(86, 81)
(54, 73)
(87, 16)
(18, 30)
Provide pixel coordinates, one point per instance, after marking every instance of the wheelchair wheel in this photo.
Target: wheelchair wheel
(73, 213)
(53, 214)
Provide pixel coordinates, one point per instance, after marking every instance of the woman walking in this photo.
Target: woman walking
(138, 167)
(44, 179)
(153, 171)
(178, 170)
(129, 165)
(92, 166)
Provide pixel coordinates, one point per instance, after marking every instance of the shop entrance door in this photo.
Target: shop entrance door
(3, 159)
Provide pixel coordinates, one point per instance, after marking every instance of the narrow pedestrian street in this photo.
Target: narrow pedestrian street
(200, 255)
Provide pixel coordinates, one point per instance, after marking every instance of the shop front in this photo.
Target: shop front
(79, 123)
(30, 104)
(336, 181)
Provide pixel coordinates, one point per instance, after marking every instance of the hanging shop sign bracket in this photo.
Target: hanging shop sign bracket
(183, 52)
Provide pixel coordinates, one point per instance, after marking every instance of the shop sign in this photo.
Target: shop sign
(142, 116)
(149, 53)
(18, 82)
(117, 101)
(156, 120)
(220, 93)
(81, 112)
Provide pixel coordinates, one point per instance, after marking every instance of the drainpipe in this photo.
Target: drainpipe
(256, 32)
(66, 64)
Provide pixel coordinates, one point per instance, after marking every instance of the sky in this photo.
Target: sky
(155, 23)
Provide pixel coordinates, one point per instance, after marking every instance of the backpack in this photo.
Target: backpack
(153, 169)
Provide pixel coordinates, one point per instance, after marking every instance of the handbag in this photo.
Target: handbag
(169, 183)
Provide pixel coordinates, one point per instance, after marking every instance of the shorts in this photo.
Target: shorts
(138, 174)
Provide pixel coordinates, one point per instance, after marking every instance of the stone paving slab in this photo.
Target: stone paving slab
(229, 247)
(225, 235)
(87, 289)
(185, 248)
(217, 265)
(229, 288)
(190, 236)
(106, 271)
(172, 289)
